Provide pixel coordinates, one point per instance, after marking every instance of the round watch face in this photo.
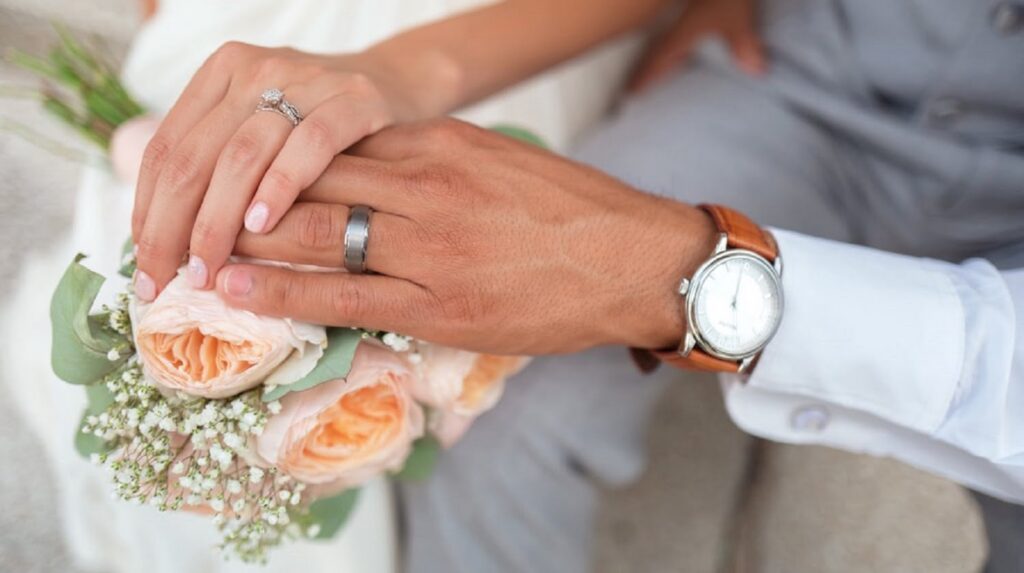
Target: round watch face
(736, 305)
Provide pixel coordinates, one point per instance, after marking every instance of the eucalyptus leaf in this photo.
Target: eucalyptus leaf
(521, 134)
(330, 513)
(335, 363)
(420, 463)
(81, 343)
(127, 269)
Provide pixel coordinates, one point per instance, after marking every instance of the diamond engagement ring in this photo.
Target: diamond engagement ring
(273, 100)
(357, 237)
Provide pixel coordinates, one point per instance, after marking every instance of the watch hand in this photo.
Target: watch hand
(736, 295)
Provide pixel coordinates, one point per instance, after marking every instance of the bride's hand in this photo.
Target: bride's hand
(480, 242)
(214, 163)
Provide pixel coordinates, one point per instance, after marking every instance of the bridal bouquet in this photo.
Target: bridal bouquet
(268, 425)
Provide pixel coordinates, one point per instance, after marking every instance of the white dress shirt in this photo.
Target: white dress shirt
(898, 356)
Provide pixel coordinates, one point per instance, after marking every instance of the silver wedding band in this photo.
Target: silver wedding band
(357, 238)
(273, 100)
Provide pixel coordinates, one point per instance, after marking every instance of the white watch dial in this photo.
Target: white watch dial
(738, 304)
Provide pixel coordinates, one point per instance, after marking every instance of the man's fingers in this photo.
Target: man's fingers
(328, 130)
(314, 233)
(239, 169)
(352, 180)
(374, 302)
(178, 195)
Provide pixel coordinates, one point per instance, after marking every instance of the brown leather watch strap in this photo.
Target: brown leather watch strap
(696, 360)
(742, 232)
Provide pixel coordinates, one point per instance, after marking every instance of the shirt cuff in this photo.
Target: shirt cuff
(866, 330)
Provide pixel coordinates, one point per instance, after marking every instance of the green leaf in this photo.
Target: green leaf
(100, 398)
(521, 134)
(420, 463)
(81, 342)
(329, 513)
(127, 270)
(334, 364)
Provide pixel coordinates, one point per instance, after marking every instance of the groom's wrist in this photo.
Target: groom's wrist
(684, 239)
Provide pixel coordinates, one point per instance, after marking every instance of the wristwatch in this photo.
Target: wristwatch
(733, 302)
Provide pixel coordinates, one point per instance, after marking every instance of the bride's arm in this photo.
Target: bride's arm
(470, 56)
(214, 164)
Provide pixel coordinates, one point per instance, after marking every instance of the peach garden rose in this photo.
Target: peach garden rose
(190, 341)
(460, 386)
(347, 430)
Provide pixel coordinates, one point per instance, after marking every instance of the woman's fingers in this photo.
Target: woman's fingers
(179, 191)
(203, 92)
(328, 130)
(239, 169)
(314, 234)
(375, 302)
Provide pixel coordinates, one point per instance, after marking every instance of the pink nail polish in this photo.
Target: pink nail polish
(197, 273)
(145, 288)
(238, 283)
(256, 218)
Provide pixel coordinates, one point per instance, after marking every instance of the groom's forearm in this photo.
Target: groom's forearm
(448, 64)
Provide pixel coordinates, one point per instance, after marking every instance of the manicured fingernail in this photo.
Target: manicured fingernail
(197, 273)
(256, 218)
(145, 288)
(238, 283)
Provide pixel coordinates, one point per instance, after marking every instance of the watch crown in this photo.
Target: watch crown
(684, 286)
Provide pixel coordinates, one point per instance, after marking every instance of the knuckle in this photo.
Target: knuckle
(241, 151)
(178, 172)
(320, 227)
(271, 67)
(444, 242)
(448, 131)
(150, 250)
(281, 289)
(229, 54)
(347, 301)
(205, 234)
(359, 84)
(435, 177)
(318, 136)
(460, 307)
(279, 180)
(157, 151)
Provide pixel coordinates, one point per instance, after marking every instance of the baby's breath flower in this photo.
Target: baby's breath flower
(206, 468)
(396, 342)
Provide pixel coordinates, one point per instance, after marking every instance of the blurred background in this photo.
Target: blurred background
(714, 500)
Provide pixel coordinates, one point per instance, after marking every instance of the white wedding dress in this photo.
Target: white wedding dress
(109, 535)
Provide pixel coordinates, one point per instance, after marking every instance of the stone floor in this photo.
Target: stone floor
(714, 500)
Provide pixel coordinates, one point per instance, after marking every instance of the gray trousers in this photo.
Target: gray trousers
(799, 150)
(518, 493)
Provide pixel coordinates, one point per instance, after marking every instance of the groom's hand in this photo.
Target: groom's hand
(480, 242)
